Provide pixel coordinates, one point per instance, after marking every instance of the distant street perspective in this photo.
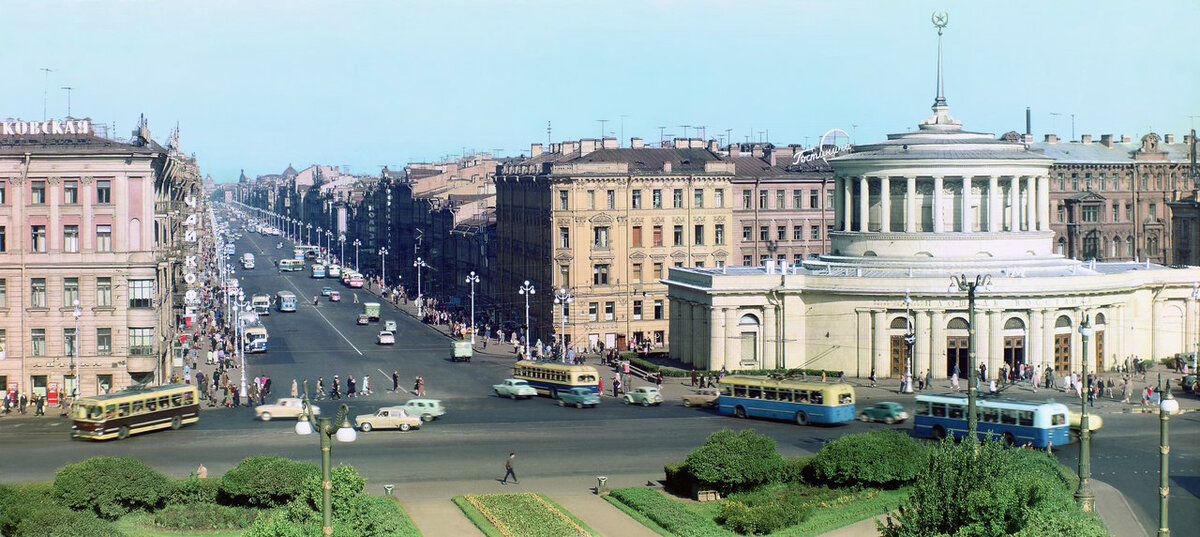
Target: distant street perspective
(891, 321)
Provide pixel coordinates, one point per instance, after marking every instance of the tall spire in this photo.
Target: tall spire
(940, 20)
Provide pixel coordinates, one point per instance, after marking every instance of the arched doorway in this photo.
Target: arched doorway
(898, 349)
(1014, 343)
(1098, 327)
(749, 326)
(1062, 344)
(957, 347)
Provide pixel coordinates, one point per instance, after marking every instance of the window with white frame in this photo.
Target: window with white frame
(141, 293)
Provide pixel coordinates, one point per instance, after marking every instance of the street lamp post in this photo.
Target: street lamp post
(306, 425)
(342, 249)
(472, 279)
(71, 375)
(419, 263)
(910, 339)
(527, 290)
(328, 243)
(319, 243)
(964, 285)
(383, 264)
(241, 344)
(563, 297)
(1083, 494)
(356, 245)
(309, 227)
(1166, 406)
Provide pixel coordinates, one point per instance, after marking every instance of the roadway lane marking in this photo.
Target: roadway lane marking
(387, 376)
(300, 293)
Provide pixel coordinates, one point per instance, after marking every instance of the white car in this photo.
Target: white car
(389, 325)
(286, 407)
(386, 337)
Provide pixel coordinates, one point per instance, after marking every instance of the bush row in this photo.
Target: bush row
(355, 513)
(204, 516)
(881, 458)
(646, 365)
(28, 512)
(671, 515)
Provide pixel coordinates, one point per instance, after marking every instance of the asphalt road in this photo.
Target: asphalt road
(472, 440)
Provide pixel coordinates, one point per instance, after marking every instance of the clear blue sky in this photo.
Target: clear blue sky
(261, 84)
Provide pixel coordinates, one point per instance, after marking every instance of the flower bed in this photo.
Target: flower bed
(522, 515)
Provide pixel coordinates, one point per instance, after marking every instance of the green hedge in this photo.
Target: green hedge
(768, 515)
(880, 458)
(194, 490)
(731, 461)
(204, 516)
(355, 513)
(110, 486)
(669, 514)
(28, 513)
(265, 481)
(793, 469)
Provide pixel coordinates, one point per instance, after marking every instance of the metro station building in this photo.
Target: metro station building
(911, 212)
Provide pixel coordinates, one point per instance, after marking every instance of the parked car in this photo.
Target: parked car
(703, 397)
(580, 397)
(427, 409)
(886, 412)
(1074, 419)
(388, 417)
(385, 337)
(326, 291)
(335, 297)
(389, 325)
(363, 319)
(286, 407)
(514, 388)
(643, 395)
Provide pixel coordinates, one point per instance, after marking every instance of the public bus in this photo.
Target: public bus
(798, 401)
(298, 253)
(255, 338)
(1011, 421)
(286, 301)
(261, 304)
(549, 378)
(354, 280)
(135, 410)
(291, 265)
(318, 270)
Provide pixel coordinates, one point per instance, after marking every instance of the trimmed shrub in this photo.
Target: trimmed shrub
(278, 524)
(27, 514)
(265, 481)
(204, 516)
(760, 519)
(678, 481)
(731, 461)
(347, 486)
(370, 516)
(194, 490)
(670, 514)
(881, 458)
(793, 469)
(110, 486)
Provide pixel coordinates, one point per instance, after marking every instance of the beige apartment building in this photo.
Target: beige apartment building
(606, 223)
(77, 227)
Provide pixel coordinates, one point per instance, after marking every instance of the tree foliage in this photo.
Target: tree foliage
(110, 486)
(735, 460)
(880, 458)
(264, 481)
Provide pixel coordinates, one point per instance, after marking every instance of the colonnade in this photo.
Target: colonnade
(1012, 203)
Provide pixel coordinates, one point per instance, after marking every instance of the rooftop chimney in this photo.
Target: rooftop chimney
(1106, 140)
(1027, 138)
(695, 143)
(1051, 139)
(735, 150)
(569, 147)
(535, 150)
(667, 166)
(771, 156)
(757, 150)
(1169, 138)
(679, 143)
(1085, 138)
(587, 145)
(609, 143)
(636, 143)
(1125, 139)
(714, 146)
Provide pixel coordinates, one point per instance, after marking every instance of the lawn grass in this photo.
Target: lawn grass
(141, 524)
(523, 514)
(670, 516)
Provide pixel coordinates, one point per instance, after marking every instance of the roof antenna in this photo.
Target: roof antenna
(548, 134)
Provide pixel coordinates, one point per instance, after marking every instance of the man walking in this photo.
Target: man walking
(395, 380)
(508, 470)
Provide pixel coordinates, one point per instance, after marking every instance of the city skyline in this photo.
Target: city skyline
(491, 76)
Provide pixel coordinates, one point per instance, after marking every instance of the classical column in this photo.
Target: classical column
(863, 345)
(939, 224)
(673, 327)
(864, 198)
(880, 354)
(1030, 205)
(838, 192)
(921, 347)
(686, 345)
(885, 204)
(1049, 317)
(912, 213)
(1035, 334)
(995, 340)
(1014, 203)
(769, 338)
(847, 204)
(993, 204)
(937, 343)
(718, 331)
(1043, 187)
(732, 340)
(966, 204)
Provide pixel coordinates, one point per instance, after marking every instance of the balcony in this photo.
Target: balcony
(144, 363)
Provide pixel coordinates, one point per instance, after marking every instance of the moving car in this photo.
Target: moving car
(886, 412)
(427, 409)
(388, 417)
(389, 325)
(514, 388)
(285, 407)
(363, 319)
(386, 337)
(580, 397)
(643, 395)
(703, 397)
(326, 291)
(1095, 422)
(335, 297)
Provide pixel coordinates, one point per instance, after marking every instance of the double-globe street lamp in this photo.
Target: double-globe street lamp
(328, 244)
(344, 432)
(564, 298)
(319, 244)
(71, 375)
(356, 243)
(964, 285)
(309, 226)
(472, 279)
(527, 290)
(383, 264)
(910, 340)
(1083, 494)
(1167, 405)
(342, 249)
(420, 264)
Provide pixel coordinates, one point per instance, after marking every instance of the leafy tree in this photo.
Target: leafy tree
(881, 458)
(735, 460)
(264, 481)
(110, 486)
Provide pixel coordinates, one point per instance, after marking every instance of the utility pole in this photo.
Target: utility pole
(602, 124)
(45, 88)
(68, 88)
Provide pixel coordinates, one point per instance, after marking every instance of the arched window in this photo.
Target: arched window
(1099, 319)
(748, 320)
(899, 323)
(1014, 323)
(1062, 246)
(1063, 322)
(957, 323)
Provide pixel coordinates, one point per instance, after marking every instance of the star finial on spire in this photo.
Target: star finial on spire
(940, 19)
